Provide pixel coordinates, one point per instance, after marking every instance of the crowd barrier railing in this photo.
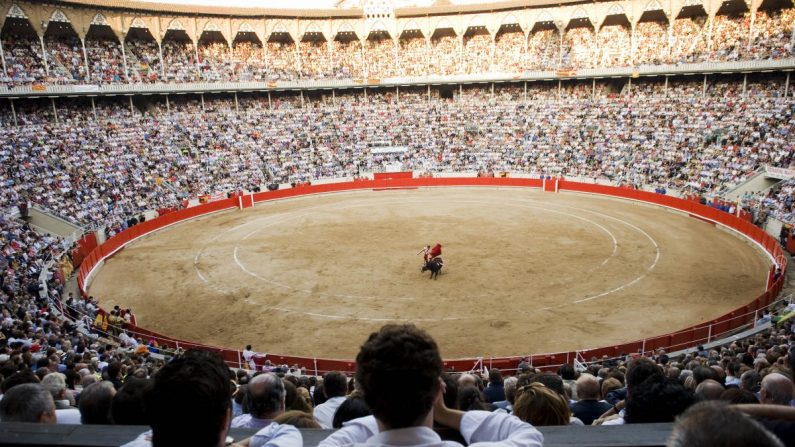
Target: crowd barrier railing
(679, 339)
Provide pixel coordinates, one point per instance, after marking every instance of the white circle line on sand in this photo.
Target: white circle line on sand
(239, 263)
(381, 202)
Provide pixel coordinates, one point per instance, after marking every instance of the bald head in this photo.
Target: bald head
(709, 390)
(265, 396)
(467, 379)
(587, 387)
(776, 389)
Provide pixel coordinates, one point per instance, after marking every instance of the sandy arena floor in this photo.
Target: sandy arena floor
(525, 272)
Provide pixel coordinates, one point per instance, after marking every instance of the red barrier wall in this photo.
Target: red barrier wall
(684, 338)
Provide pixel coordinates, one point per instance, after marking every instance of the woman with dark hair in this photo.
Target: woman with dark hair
(469, 398)
(354, 407)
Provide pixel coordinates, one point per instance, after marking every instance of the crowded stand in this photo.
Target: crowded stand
(543, 49)
(510, 51)
(413, 55)
(106, 65)
(693, 38)
(445, 55)
(249, 57)
(202, 146)
(315, 59)
(379, 56)
(143, 60)
(477, 53)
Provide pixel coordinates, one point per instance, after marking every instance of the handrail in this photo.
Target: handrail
(682, 338)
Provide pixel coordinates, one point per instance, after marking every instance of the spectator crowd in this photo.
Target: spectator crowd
(142, 59)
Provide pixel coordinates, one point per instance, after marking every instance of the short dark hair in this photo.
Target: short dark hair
(335, 384)
(567, 372)
(640, 370)
(398, 369)
(127, 407)
(495, 376)
(95, 403)
(189, 400)
(657, 401)
(353, 407)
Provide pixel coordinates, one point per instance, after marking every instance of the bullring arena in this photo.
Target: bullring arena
(525, 272)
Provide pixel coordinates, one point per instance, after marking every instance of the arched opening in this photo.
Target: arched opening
(215, 63)
(413, 53)
(346, 57)
(106, 63)
(689, 35)
(315, 60)
(772, 32)
(179, 57)
(249, 57)
(380, 55)
(64, 54)
(143, 56)
(509, 49)
(651, 38)
(282, 58)
(477, 50)
(729, 40)
(543, 46)
(445, 52)
(23, 53)
(614, 42)
(579, 45)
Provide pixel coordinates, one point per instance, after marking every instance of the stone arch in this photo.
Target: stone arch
(59, 16)
(615, 10)
(16, 12)
(509, 19)
(175, 25)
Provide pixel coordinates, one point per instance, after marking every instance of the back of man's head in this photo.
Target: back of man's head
(28, 402)
(265, 396)
(713, 423)
(709, 389)
(641, 370)
(127, 407)
(776, 389)
(587, 387)
(190, 400)
(398, 369)
(95, 402)
(55, 383)
(495, 376)
(335, 384)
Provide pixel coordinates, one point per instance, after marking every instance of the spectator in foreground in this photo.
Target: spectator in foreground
(335, 386)
(264, 400)
(189, 403)
(713, 423)
(589, 407)
(495, 391)
(541, 406)
(95, 403)
(399, 369)
(28, 402)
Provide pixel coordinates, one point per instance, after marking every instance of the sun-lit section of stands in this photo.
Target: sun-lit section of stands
(315, 58)
(445, 53)
(544, 48)
(510, 50)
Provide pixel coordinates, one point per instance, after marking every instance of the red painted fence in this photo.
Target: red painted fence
(684, 338)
